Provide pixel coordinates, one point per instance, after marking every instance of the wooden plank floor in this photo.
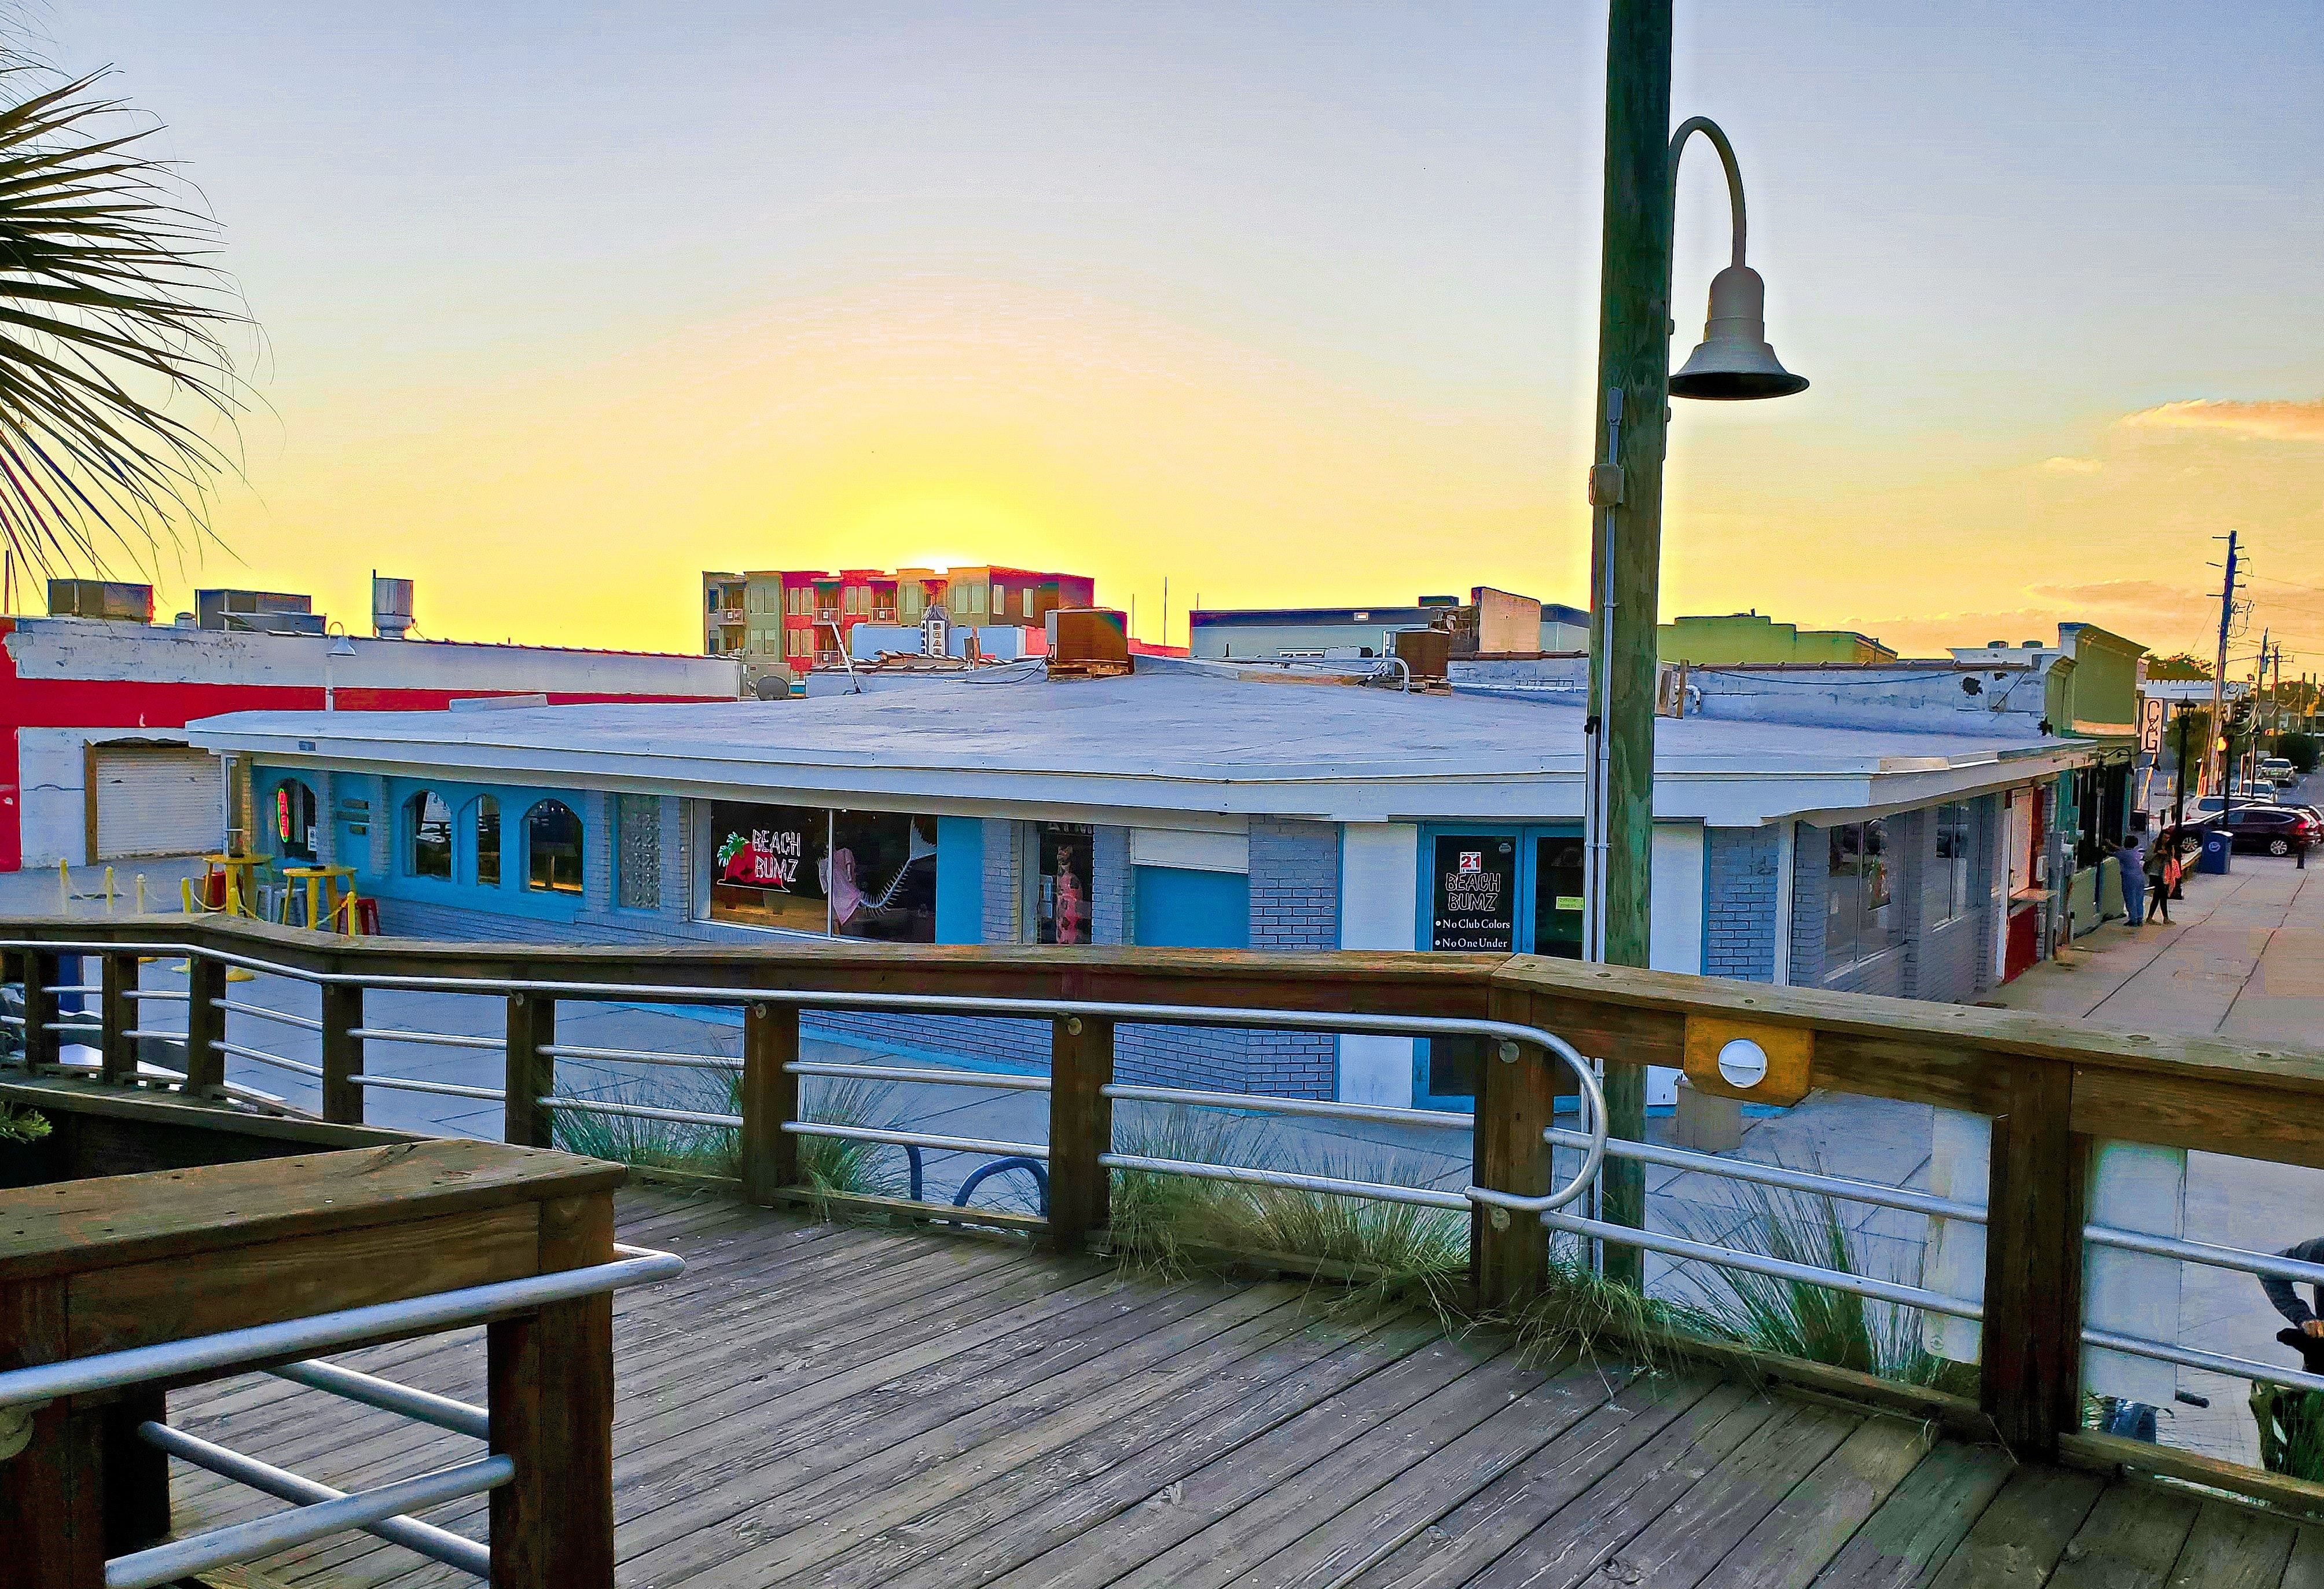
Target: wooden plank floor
(841, 1406)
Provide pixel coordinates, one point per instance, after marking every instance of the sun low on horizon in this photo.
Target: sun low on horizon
(1284, 306)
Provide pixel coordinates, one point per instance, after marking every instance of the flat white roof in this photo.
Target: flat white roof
(1179, 738)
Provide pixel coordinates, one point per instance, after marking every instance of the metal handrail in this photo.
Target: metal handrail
(426, 1538)
(912, 1138)
(1245, 1174)
(2272, 1264)
(642, 1057)
(639, 1110)
(261, 1056)
(1320, 1108)
(422, 1406)
(449, 1089)
(1759, 1263)
(938, 1077)
(262, 1537)
(2218, 1362)
(327, 1332)
(1847, 1188)
(260, 1013)
(155, 993)
(443, 1039)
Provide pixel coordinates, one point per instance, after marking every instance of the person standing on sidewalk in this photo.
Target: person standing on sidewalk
(2130, 862)
(2161, 877)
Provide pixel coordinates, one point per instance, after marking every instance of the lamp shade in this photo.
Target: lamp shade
(1734, 362)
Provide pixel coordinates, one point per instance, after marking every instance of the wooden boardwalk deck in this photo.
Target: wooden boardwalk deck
(839, 1406)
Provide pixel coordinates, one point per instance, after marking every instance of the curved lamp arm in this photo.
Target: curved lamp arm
(1710, 129)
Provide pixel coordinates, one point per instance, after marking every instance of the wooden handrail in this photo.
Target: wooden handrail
(2052, 1088)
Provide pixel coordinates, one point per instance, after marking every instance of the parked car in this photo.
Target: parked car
(2272, 830)
(2211, 805)
(2277, 771)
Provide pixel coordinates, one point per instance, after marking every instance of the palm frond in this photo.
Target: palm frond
(115, 365)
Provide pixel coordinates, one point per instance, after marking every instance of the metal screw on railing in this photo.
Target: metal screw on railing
(1508, 1052)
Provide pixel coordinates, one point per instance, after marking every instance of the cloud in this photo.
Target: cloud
(2274, 420)
(2072, 465)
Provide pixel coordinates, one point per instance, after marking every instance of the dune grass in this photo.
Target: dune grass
(826, 1164)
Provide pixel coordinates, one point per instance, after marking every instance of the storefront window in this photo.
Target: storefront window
(1955, 840)
(1557, 898)
(1065, 891)
(488, 842)
(865, 874)
(552, 841)
(294, 820)
(1857, 913)
(431, 835)
(1476, 894)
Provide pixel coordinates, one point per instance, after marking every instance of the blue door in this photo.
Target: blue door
(1503, 889)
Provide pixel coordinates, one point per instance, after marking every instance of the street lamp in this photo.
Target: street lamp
(1733, 362)
(1634, 384)
(340, 647)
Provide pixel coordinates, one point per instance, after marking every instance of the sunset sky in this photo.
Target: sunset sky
(1290, 303)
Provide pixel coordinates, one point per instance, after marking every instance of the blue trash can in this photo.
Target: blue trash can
(2216, 848)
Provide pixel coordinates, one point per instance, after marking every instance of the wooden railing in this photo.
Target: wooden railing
(2052, 1088)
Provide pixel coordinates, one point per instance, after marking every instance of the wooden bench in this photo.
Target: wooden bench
(102, 1264)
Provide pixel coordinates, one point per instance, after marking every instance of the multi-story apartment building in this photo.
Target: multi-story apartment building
(800, 617)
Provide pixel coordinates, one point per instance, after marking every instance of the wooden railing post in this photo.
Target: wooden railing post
(342, 1052)
(1081, 1127)
(205, 1027)
(42, 1039)
(118, 1013)
(2030, 1378)
(551, 1377)
(770, 1096)
(531, 1073)
(1508, 1250)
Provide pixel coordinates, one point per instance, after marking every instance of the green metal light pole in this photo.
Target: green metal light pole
(1626, 495)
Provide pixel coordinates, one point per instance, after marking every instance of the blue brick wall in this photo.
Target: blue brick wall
(1744, 887)
(1811, 860)
(1295, 905)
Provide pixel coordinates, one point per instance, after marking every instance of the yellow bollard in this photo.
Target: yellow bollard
(108, 891)
(64, 888)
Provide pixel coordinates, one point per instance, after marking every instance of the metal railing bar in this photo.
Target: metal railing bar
(425, 1406)
(155, 1031)
(72, 1026)
(449, 1089)
(643, 1056)
(1844, 1188)
(953, 1078)
(261, 1056)
(2235, 1257)
(426, 1538)
(382, 1034)
(12, 1020)
(75, 988)
(326, 1332)
(641, 1112)
(260, 1013)
(262, 1537)
(1758, 1263)
(1324, 1109)
(1420, 1196)
(910, 1139)
(179, 993)
(2218, 1362)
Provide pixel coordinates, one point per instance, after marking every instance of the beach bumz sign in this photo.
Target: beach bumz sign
(1476, 894)
(869, 874)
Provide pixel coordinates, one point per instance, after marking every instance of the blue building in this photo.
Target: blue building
(1191, 804)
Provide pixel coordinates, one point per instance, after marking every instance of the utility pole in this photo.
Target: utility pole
(1633, 330)
(2219, 675)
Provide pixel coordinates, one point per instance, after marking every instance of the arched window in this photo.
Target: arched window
(552, 844)
(488, 842)
(430, 822)
(293, 821)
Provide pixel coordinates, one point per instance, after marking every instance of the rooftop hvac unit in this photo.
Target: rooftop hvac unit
(101, 599)
(1427, 653)
(391, 607)
(1087, 643)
